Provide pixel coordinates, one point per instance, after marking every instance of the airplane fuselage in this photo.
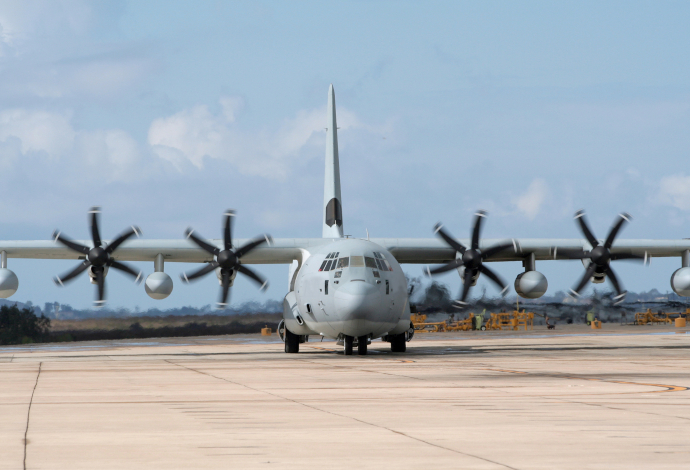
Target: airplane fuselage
(350, 287)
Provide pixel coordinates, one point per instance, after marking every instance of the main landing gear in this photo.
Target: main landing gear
(398, 343)
(291, 342)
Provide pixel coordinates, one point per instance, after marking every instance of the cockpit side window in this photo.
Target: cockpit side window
(323, 265)
(331, 263)
(343, 262)
(356, 261)
(369, 262)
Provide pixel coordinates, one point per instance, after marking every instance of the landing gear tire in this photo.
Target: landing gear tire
(348, 345)
(362, 345)
(398, 343)
(291, 342)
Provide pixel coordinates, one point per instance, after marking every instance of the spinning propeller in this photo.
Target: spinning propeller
(227, 259)
(600, 256)
(471, 258)
(98, 258)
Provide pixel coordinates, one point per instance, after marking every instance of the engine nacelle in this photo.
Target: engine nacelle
(9, 283)
(219, 275)
(680, 282)
(531, 284)
(92, 273)
(461, 271)
(158, 285)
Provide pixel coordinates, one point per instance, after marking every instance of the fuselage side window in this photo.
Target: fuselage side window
(343, 262)
(387, 287)
(338, 274)
(325, 287)
(323, 265)
(356, 261)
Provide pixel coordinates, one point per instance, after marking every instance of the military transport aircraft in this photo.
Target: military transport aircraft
(352, 290)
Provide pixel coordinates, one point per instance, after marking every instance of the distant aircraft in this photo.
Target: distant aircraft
(349, 289)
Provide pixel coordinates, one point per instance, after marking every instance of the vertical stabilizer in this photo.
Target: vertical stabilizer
(332, 202)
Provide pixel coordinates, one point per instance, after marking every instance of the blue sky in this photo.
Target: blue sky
(167, 113)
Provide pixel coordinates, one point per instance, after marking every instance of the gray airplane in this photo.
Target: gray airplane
(352, 290)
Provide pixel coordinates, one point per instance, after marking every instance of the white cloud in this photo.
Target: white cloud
(531, 201)
(111, 153)
(38, 130)
(195, 134)
(675, 191)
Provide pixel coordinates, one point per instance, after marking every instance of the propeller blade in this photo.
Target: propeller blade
(614, 280)
(479, 217)
(627, 256)
(457, 246)
(496, 249)
(580, 217)
(95, 234)
(60, 280)
(622, 219)
(494, 277)
(199, 273)
(587, 276)
(125, 269)
(203, 244)
(252, 244)
(227, 233)
(465, 288)
(123, 238)
(455, 264)
(254, 276)
(100, 281)
(225, 290)
(72, 245)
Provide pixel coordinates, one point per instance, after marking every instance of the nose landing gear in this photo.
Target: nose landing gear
(349, 343)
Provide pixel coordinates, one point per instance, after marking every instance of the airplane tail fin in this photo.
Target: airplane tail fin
(332, 206)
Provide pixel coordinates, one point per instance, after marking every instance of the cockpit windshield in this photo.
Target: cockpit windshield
(377, 262)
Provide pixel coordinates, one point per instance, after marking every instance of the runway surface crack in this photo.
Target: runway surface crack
(28, 414)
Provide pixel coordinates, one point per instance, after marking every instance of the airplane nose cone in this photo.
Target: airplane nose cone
(356, 300)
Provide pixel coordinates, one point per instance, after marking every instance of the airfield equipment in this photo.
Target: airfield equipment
(649, 318)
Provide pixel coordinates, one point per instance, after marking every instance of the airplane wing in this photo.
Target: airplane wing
(433, 250)
(285, 250)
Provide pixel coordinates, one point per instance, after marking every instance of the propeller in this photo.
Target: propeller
(600, 256)
(472, 258)
(228, 259)
(98, 258)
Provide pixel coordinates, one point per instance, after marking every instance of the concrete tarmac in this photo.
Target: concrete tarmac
(570, 399)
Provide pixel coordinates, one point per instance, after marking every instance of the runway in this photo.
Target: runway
(573, 399)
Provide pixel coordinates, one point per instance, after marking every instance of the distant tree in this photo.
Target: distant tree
(22, 325)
